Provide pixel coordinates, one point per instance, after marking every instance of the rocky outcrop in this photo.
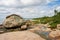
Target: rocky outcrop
(13, 21)
(23, 35)
(55, 35)
(28, 30)
(40, 28)
(41, 31)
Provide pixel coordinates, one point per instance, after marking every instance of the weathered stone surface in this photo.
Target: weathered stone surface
(34, 29)
(12, 21)
(23, 27)
(1, 31)
(55, 35)
(42, 31)
(23, 35)
(29, 23)
(41, 28)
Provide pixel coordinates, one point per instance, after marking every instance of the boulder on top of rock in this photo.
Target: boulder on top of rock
(12, 21)
(22, 35)
(29, 22)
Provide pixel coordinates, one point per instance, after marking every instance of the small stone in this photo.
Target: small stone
(23, 27)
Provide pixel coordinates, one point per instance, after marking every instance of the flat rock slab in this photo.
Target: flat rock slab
(20, 35)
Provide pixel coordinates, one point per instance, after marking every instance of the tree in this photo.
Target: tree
(55, 12)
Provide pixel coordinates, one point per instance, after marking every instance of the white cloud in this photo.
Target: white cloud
(26, 1)
(48, 1)
(32, 12)
(13, 3)
(7, 2)
(27, 12)
(39, 2)
(58, 8)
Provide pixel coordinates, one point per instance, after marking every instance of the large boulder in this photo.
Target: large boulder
(22, 35)
(55, 35)
(13, 21)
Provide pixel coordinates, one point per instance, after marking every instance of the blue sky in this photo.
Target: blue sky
(28, 8)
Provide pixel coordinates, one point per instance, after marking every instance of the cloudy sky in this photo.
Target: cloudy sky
(28, 8)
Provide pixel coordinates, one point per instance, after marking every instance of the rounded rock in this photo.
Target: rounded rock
(23, 35)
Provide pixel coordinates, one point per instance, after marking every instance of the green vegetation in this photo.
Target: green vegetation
(53, 21)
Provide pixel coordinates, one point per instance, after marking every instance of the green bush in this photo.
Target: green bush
(53, 21)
